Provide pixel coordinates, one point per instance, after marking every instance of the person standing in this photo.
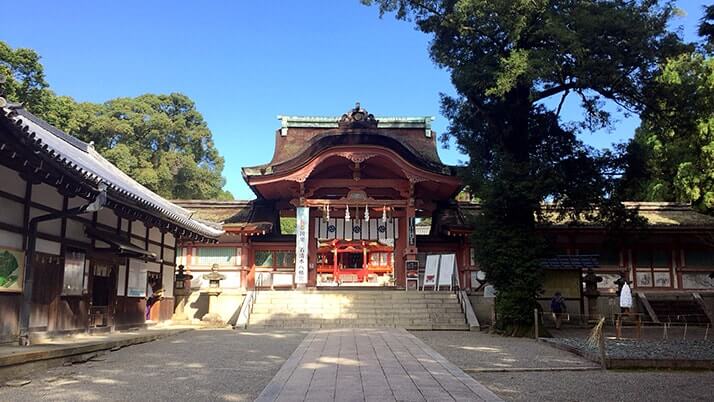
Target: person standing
(625, 298)
(558, 308)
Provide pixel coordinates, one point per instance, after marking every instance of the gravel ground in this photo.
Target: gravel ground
(598, 386)
(198, 365)
(483, 351)
(696, 349)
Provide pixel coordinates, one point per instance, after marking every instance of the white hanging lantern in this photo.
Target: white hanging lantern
(366, 212)
(384, 214)
(328, 211)
(347, 213)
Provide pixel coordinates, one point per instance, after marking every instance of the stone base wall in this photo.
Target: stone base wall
(229, 303)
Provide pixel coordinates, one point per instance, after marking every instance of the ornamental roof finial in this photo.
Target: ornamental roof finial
(357, 118)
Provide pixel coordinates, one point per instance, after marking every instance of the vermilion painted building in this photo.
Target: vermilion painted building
(379, 200)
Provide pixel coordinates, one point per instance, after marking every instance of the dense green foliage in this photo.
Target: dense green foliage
(513, 63)
(288, 225)
(672, 155)
(161, 141)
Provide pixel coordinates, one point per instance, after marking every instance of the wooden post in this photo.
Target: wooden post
(535, 323)
(601, 347)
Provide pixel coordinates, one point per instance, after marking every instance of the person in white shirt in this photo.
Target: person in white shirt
(625, 298)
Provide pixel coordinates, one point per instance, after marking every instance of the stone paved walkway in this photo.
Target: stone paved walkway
(370, 365)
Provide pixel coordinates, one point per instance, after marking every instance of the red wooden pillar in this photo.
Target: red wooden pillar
(250, 261)
(364, 262)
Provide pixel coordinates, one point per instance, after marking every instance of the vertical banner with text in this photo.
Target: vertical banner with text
(301, 231)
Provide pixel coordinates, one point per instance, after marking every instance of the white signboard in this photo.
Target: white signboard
(446, 270)
(431, 270)
(137, 279)
(301, 238)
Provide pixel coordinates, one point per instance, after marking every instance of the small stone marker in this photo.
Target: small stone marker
(17, 383)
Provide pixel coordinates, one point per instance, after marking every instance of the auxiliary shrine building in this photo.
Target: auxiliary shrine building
(361, 202)
(83, 247)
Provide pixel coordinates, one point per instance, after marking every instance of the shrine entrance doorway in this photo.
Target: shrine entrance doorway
(355, 263)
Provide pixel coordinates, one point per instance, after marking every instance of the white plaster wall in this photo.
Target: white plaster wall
(153, 267)
(48, 247)
(138, 242)
(46, 195)
(107, 217)
(11, 240)
(169, 256)
(153, 248)
(169, 239)
(155, 234)
(11, 182)
(138, 228)
(53, 227)
(76, 202)
(167, 281)
(11, 212)
(75, 231)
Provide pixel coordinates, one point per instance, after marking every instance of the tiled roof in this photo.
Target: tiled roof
(570, 262)
(73, 154)
(657, 214)
(254, 215)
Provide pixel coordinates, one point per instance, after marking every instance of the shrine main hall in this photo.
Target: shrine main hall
(360, 201)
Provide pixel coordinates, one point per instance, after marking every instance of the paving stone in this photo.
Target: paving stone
(370, 365)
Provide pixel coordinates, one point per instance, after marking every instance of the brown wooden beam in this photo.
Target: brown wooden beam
(402, 184)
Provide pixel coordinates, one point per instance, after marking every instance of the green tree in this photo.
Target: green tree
(706, 27)
(513, 64)
(673, 149)
(161, 141)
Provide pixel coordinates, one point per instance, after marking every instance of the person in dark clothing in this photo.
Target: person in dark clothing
(558, 308)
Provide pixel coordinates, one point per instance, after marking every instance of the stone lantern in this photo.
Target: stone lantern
(181, 294)
(214, 289)
(591, 280)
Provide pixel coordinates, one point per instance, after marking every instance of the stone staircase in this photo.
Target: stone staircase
(357, 309)
(681, 308)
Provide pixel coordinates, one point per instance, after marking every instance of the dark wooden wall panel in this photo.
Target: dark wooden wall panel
(9, 315)
(130, 311)
(165, 309)
(72, 314)
(47, 286)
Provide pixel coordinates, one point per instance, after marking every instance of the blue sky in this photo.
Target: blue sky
(245, 62)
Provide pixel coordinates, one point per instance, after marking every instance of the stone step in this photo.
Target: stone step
(294, 323)
(424, 327)
(433, 317)
(420, 297)
(362, 307)
(403, 296)
(355, 309)
(333, 312)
